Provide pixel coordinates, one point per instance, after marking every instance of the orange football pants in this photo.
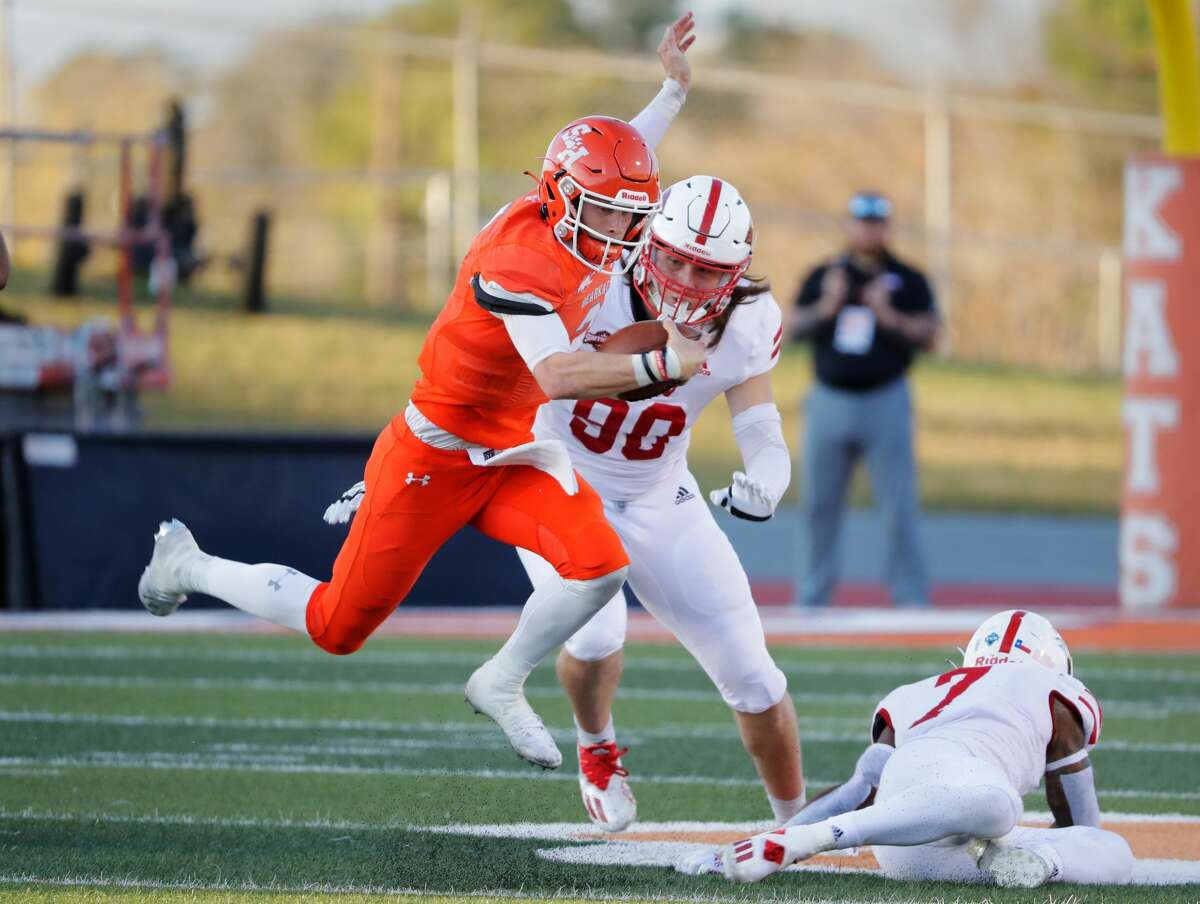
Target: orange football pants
(416, 498)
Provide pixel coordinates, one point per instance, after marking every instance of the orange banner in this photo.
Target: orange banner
(1160, 509)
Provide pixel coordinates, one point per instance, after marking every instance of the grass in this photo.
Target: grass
(988, 438)
(216, 768)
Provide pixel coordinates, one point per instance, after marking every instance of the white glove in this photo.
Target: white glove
(745, 499)
(701, 862)
(343, 510)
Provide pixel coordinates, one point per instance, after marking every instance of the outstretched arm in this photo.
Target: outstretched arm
(754, 493)
(857, 791)
(1070, 781)
(658, 115)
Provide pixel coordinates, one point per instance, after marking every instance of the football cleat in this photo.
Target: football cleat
(505, 704)
(162, 587)
(753, 859)
(1014, 867)
(606, 795)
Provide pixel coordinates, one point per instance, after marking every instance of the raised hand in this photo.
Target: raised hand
(678, 37)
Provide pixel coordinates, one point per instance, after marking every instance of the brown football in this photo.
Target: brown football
(643, 336)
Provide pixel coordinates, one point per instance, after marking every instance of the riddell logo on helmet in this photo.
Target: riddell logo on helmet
(635, 197)
(990, 660)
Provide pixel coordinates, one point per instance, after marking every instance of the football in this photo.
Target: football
(644, 336)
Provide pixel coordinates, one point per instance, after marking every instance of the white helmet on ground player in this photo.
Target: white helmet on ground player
(1018, 636)
(698, 249)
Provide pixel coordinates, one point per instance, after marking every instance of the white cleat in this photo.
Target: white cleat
(506, 705)
(753, 859)
(606, 795)
(1014, 867)
(162, 588)
(701, 862)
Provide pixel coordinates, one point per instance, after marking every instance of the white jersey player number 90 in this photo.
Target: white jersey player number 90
(600, 436)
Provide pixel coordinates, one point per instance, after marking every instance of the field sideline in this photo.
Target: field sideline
(245, 767)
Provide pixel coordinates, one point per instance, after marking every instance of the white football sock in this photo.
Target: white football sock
(606, 735)
(784, 810)
(554, 611)
(274, 592)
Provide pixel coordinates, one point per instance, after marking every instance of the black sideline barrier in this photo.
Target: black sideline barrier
(79, 513)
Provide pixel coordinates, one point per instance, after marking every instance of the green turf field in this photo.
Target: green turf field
(212, 768)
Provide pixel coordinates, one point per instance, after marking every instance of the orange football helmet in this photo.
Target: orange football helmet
(605, 163)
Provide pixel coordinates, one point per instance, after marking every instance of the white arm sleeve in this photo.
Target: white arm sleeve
(536, 337)
(850, 795)
(654, 121)
(759, 433)
(1080, 791)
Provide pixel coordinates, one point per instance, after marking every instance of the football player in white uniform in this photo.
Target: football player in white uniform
(634, 453)
(939, 790)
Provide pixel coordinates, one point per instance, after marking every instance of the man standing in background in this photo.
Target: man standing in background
(866, 313)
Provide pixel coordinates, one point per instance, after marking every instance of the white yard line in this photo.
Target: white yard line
(217, 761)
(414, 657)
(707, 730)
(468, 731)
(388, 687)
(549, 830)
(1127, 708)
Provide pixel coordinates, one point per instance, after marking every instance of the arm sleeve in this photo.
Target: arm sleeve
(536, 338)
(658, 115)
(1080, 790)
(850, 795)
(759, 434)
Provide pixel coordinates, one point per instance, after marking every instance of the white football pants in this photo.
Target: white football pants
(934, 788)
(687, 575)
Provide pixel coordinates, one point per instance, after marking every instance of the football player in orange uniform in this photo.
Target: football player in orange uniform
(462, 452)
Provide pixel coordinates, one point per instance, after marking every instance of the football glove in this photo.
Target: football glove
(343, 510)
(700, 862)
(745, 498)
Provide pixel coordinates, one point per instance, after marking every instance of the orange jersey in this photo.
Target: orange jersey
(473, 381)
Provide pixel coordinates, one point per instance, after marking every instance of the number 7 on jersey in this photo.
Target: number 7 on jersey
(968, 675)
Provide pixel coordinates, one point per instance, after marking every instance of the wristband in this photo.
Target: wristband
(673, 369)
(657, 366)
(641, 370)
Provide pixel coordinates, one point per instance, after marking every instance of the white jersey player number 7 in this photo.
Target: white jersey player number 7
(999, 713)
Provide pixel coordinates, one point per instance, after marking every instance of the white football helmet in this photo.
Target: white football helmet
(699, 248)
(1018, 636)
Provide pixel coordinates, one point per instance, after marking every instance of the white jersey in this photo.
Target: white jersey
(625, 449)
(1000, 713)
